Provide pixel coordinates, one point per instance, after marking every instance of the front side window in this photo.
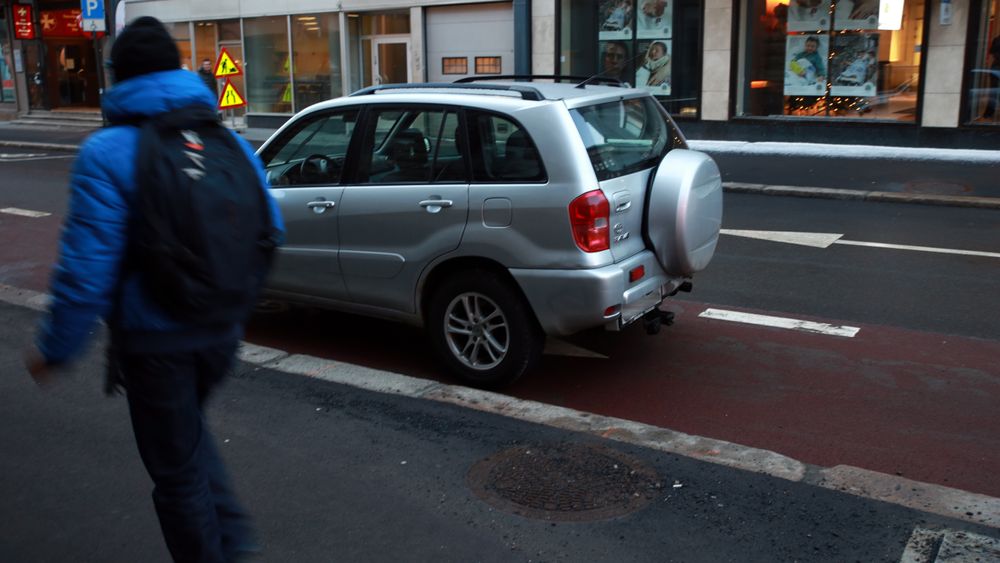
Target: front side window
(312, 152)
(852, 58)
(983, 95)
(625, 136)
(412, 146)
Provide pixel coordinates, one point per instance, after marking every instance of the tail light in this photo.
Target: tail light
(589, 215)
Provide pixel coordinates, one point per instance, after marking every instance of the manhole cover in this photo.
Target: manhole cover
(565, 482)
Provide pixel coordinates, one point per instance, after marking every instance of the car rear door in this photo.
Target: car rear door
(407, 205)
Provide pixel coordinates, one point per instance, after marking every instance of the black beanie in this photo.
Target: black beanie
(144, 46)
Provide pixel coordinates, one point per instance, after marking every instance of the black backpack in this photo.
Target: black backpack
(201, 233)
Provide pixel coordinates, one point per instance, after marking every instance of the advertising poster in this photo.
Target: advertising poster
(615, 60)
(856, 14)
(805, 64)
(854, 67)
(653, 72)
(616, 18)
(809, 15)
(655, 19)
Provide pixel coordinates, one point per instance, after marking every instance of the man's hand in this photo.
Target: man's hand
(37, 367)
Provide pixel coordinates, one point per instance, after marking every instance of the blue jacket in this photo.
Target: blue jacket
(85, 283)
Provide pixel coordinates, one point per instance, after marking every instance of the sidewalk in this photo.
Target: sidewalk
(338, 463)
(958, 177)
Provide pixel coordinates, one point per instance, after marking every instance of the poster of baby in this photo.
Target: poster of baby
(616, 18)
(809, 15)
(654, 19)
(854, 68)
(805, 64)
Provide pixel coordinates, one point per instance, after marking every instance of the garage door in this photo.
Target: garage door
(469, 39)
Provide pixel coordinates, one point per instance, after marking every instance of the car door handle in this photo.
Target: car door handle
(321, 204)
(435, 205)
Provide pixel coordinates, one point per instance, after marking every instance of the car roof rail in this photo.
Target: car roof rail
(526, 92)
(581, 80)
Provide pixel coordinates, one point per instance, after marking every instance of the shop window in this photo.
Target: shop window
(454, 65)
(181, 32)
(316, 52)
(818, 58)
(488, 65)
(653, 44)
(6, 64)
(983, 96)
(268, 65)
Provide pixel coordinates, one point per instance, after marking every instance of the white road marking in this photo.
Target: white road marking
(5, 157)
(24, 212)
(921, 248)
(824, 240)
(816, 240)
(780, 322)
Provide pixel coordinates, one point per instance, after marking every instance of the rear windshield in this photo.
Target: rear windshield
(625, 136)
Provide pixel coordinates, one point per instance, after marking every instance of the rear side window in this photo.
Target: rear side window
(502, 151)
(412, 146)
(625, 136)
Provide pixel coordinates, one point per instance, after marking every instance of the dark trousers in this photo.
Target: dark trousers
(198, 512)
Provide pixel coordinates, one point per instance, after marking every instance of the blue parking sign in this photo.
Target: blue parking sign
(93, 15)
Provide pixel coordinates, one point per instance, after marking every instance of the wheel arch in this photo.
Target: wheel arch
(441, 271)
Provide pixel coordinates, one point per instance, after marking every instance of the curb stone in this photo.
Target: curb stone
(937, 499)
(861, 195)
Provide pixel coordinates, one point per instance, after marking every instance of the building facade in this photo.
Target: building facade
(907, 72)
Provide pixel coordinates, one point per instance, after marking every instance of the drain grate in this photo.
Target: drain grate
(564, 482)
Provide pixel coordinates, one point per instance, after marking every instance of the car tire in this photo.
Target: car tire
(483, 330)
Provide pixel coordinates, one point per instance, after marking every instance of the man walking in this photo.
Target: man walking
(208, 77)
(168, 362)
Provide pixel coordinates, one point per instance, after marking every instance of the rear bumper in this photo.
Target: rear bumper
(568, 301)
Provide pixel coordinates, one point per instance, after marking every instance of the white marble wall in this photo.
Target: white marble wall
(543, 36)
(942, 76)
(717, 62)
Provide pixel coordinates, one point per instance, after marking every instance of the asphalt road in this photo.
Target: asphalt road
(913, 394)
(333, 473)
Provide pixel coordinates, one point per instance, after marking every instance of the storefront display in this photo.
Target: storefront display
(823, 58)
(652, 44)
(983, 97)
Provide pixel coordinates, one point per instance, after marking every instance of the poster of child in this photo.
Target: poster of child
(616, 19)
(856, 14)
(854, 67)
(805, 65)
(809, 15)
(654, 72)
(655, 19)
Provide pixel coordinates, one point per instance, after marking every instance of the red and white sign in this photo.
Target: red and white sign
(24, 27)
(63, 23)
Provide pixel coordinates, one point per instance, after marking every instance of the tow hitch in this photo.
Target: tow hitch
(654, 320)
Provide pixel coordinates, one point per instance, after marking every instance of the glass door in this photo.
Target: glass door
(390, 61)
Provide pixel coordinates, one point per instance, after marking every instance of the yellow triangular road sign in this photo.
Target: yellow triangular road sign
(226, 65)
(230, 97)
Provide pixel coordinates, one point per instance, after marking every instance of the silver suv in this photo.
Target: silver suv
(492, 214)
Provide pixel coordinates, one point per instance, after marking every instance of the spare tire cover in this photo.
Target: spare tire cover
(684, 213)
